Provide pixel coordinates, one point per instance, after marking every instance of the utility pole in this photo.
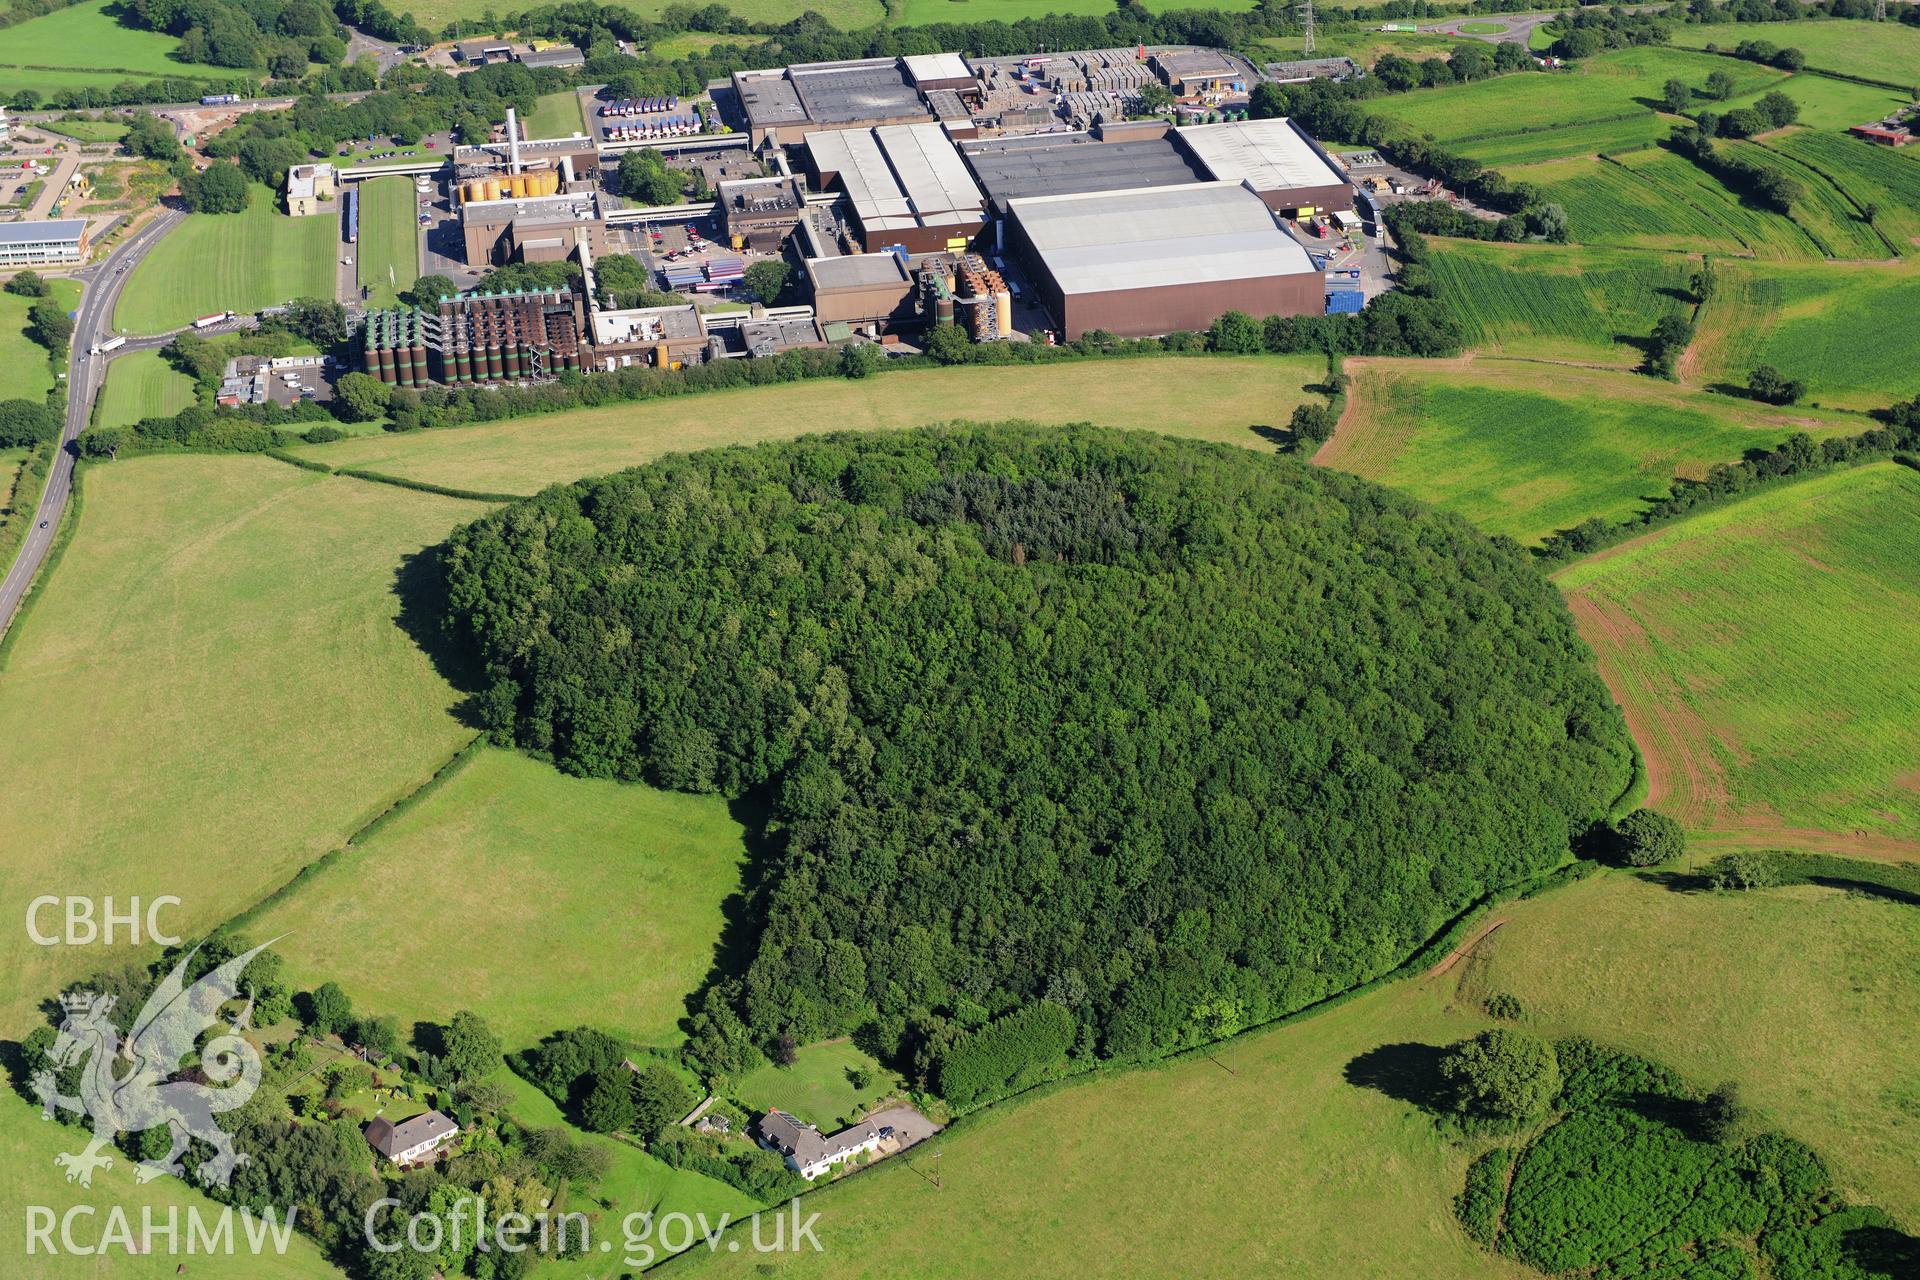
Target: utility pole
(1306, 27)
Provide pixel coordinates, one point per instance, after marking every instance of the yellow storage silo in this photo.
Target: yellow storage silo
(1003, 308)
(492, 189)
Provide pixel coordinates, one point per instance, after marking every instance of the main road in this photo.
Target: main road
(85, 373)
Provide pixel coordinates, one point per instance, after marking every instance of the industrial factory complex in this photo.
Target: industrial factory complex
(902, 193)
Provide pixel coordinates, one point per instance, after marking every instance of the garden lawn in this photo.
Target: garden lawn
(1835, 327)
(28, 1176)
(85, 45)
(209, 692)
(242, 261)
(1886, 51)
(1558, 302)
(387, 256)
(635, 1183)
(556, 115)
(1286, 1169)
(141, 385)
(1763, 653)
(1212, 398)
(558, 902)
(1523, 451)
(816, 1087)
(25, 371)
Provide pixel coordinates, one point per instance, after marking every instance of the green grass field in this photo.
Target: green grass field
(1823, 211)
(387, 256)
(816, 1087)
(1558, 302)
(1887, 51)
(1286, 1169)
(1825, 103)
(141, 385)
(1828, 325)
(1604, 137)
(628, 883)
(1871, 174)
(1523, 451)
(225, 629)
(25, 371)
(243, 261)
(1220, 399)
(556, 115)
(22, 476)
(847, 15)
(88, 130)
(1611, 205)
(1792, 992)
(28, 1176)
(85, 46)
(1608, 103)
(1763, 653)
(1708, 216)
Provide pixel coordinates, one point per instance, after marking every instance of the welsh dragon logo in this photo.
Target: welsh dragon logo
(128, 1087)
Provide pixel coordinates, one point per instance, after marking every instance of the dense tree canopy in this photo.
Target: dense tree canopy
(1175, 737)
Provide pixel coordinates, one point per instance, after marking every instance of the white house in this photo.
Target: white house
(806, 1150)
(412, 1140)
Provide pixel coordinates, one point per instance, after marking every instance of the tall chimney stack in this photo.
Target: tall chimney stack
(513, 143)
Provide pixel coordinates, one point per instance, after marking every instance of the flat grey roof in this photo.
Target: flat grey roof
(1158, 236)
(856, 271)
(847, 93)
(1268, 155)
(1072, 163)
(42, 230)
(936, 66)
(769, 98)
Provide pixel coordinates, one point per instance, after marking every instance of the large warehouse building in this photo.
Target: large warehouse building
(1153, 260)
(1275, 159)
(786, 105)
(906, 183)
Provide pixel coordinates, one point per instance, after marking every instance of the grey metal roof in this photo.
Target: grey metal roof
(847, 93)
(1071, 163)
(856, 271)
(768, 98)
(43, 230)
(564, 55)
(1269, 155)
(1158, 236)
(923, 67)
(899, 176)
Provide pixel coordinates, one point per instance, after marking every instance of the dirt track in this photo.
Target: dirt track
(1453, 956)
